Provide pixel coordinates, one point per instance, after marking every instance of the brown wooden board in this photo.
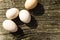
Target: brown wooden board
(45, 23)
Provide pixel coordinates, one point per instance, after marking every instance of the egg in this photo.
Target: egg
(30, 4)
(10, 26)
(25, 16)
(12, 13)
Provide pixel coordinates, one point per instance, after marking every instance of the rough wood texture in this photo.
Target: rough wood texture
(45, 24)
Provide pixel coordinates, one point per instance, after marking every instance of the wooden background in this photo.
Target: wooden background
(45, 24)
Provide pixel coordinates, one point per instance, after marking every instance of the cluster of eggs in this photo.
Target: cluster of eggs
(24, 15)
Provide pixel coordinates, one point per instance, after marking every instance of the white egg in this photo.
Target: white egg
(9, 26)
(12, 13)
(25, 16)
(30, 4)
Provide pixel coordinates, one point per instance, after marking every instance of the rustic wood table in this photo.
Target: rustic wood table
(45, 23)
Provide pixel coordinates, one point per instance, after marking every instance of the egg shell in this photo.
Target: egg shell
(9, 25)
(30, 4)
(12, 13)
(25, 16)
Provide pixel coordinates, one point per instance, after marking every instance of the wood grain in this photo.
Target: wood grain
(45, 23)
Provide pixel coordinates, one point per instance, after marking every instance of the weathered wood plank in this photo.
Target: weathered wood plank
(45, 24)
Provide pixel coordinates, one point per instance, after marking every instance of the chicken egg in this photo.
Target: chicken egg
(9, 25)
(30, 4)
(12, 13)
(25, 16)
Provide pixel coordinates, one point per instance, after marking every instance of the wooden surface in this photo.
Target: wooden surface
(45, 24)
